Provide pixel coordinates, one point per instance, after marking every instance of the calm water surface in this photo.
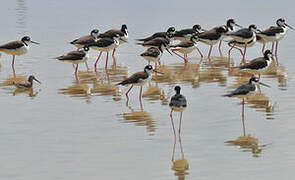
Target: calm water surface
(59, 131)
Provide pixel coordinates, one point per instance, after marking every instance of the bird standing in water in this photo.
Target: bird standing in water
(177, 103)
(26, 84)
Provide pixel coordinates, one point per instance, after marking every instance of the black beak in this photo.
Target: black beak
(289, 26)
(123, 40)
(203, 30)
(158, 72)
(34, 42)
(238, 25)
(37, 80)
(169, 51)
(264, 84)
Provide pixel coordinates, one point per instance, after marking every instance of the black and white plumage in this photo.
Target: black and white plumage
(123, 34)
(26, 84)
(17, 47)
(138, 79)
(155, 42)
(211, 37)
(245, 89)
(152, 54)
(178, 100)
(259, 64)
(105, 45)
(86, 40)
(186, 34)
(76, 57)
(168, 34)
(274, 33)
(186, 47)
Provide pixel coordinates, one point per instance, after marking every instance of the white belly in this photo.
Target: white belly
(185, 50)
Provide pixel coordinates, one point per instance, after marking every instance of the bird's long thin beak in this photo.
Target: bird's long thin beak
(289, 26)
(34, 42)
(238, 25)
(158, 72)
(258, 30)
(123, 40)
(264, 84)
(169, 51)
(37, 80)
(203, 29)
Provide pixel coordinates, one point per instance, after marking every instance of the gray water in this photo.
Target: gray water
(58, 131)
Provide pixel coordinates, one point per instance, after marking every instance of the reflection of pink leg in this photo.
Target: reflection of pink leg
(272, 46)
(229, 51)
(179, 135)
(243, 117)
(127, 94)
(244, 60)
(210, 51)
(12, 63)
(95, 65)
(219, 48)
(106, 66)
(200, 52)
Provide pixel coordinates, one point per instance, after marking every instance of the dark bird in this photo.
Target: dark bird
(105, 45)
(123, 35)
(211, 37)
(186, 34)
(154, 54)
(76, 57)
(17, 47)
(245, 89)
(86, 40)
(26, 84)
(168, 34)
(244, 35)
(259, 64)
(138, 79)
(274, 34)
(186, 47)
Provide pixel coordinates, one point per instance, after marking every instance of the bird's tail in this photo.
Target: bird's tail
(139, 43)
(227, 95)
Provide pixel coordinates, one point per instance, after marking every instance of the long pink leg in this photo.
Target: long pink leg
(13, 58)
(244, 60)
(97, 60)
(140, 94)
(229, 51)
(106, 66)
(76, 70)
(86, 64)
(114, 58)
(277, 44)
(185, 59)
(178, 54)
(263, 48)
(243, 117)
(219, 48)
(114, 52)
(272, 46)
(171, 117)
(200, 52)
(210, 51)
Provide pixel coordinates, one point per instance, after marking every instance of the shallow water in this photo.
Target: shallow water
(65, 129)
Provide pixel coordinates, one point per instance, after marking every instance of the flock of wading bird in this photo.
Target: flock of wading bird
(183, 41)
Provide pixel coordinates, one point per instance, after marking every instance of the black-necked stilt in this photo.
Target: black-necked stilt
(186, 47)
(177, 103)
(230, 27)
(244, 35)
(259, 64)
(138, 79)
(186, 34)
(211, 37)
(168, 34)
(26, 84)
(245, 89)
(17, 47)
(86, 40)
(123, 34)
(105, 45)
(275, 33)
(154, 54)
(76, 57)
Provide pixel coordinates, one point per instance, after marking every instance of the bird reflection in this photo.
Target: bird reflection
(15, 79)
(247, 142)
(154, 92)
(178, 73)
(140, 118)
(80, 90)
